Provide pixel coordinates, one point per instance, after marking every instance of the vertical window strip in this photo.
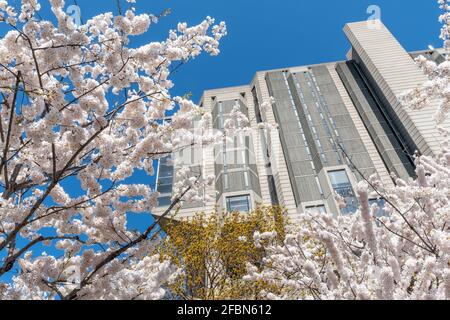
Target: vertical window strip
(322, 106)
(305, 141)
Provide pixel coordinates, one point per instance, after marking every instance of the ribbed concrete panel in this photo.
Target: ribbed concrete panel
(395, 72)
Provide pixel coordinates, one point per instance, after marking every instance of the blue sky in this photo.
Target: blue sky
(268, 34)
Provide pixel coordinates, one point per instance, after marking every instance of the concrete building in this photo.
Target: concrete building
(335, 123)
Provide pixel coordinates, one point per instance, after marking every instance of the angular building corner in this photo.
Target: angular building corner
(336, 123)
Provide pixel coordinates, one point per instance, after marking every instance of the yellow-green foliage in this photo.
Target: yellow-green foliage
(213, 252)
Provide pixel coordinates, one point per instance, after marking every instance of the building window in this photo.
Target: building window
(165, 181)
(238, 204)
(319, 186)
(165, 188)
(342, 186)
(317, 209)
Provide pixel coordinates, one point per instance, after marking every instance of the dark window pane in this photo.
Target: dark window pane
(165, 171)
(239, 204)
(273, 190)
(317, 209)
(381, 203)
(164, 201)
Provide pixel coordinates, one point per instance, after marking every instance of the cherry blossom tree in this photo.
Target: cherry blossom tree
(81, 109)
(403, 254)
